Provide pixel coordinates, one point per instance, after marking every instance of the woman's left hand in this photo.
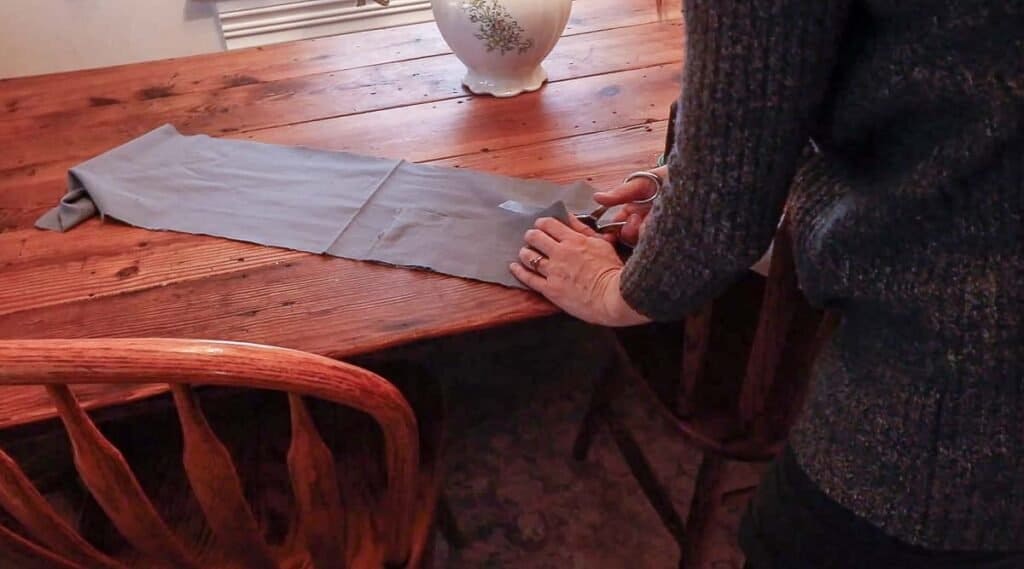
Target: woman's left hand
(576, 270)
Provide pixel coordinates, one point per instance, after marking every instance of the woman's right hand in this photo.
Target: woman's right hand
(635, 215)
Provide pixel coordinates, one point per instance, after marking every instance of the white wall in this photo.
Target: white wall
(43, 36)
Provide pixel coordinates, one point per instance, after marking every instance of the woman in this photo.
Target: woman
(907, 221)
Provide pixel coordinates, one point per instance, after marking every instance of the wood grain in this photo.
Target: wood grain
(291, 303)
(20, 498)
(104, 471)
(216, 486)
(69, 137)
(782, 299)
(23, 404)
(112, 259)
(596, 158)
(16, 551)
(321, 517)
(603, 115)
(696, 337)
(570, 108)
(469, 125)
(114, 86)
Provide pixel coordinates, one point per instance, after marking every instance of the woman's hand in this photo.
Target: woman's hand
(576, 270)
(635, 215)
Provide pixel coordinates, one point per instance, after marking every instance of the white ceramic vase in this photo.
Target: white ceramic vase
(502, 42)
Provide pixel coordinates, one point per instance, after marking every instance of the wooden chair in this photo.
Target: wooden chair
(731, 377)
(366, 509)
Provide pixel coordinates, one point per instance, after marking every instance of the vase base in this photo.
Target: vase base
(505, 85)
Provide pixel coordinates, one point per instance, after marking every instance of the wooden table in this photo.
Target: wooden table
(393, 92)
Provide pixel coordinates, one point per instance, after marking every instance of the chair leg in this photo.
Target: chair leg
(597, 409)
(653, 489)
(705, 496)
(427, 561)
(600, 411)
(448, 525)
(601, 395)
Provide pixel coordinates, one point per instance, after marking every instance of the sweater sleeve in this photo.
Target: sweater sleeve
(756, 73)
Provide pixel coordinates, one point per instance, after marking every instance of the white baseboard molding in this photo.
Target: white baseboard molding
(261, 24)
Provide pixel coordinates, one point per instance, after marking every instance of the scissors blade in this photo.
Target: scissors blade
(611, 227)
(592, 219)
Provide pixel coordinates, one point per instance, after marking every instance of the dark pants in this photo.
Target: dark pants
(792, 524)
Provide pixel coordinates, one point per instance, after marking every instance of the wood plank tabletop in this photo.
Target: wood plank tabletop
(393, 93)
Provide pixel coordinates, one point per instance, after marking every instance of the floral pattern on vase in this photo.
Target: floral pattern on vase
(498, 28)
(502, 42)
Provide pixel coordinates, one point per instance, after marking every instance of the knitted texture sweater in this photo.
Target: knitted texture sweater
(908, 220)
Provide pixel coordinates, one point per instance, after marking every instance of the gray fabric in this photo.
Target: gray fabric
(74, 208)
(448, 220)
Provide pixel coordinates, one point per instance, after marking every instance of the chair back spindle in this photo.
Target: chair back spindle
(315, 486)
(335, 523)
(16, 551)
(20, 498)
(111, 482)
(214, 480)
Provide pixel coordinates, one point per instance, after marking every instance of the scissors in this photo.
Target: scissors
(593, 218)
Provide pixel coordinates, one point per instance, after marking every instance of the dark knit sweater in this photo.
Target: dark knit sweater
(908, 221)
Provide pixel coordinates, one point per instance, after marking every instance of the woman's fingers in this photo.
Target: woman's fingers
(528, 277)
(578, 226)
(625, 213)
(556, 229)
(540, 241)
(641, 209)
(631, 191)
(532, 259)
(583, 283)
(630, 233)
(634, 190)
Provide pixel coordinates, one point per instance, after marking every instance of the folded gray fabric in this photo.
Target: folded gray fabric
(74, 208)
(450, 220)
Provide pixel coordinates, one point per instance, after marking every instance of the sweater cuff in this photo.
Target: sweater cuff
(669, 287)
(638, 286)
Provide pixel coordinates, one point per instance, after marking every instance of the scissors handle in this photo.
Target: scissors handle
(654, 179)
(593, 218)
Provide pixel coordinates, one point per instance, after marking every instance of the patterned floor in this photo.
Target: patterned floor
(517, 397)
